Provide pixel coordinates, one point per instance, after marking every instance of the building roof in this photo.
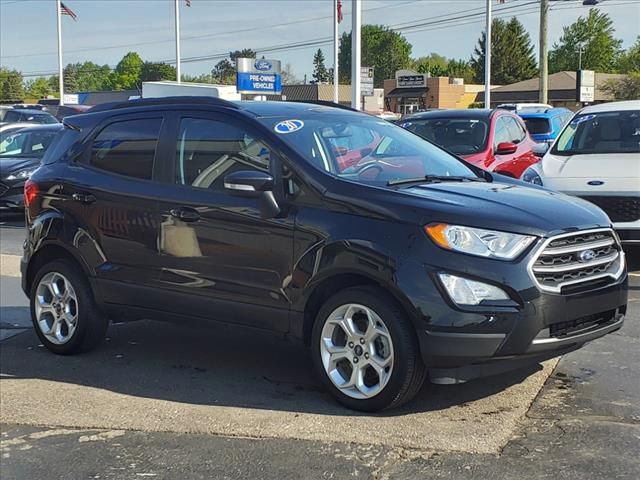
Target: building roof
(407, 92)
(562, 86)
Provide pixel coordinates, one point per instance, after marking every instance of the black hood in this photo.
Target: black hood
(9, 165)
(506, 206)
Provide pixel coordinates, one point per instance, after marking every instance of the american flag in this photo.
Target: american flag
(339, 8)
(188, 2)
(64, 10)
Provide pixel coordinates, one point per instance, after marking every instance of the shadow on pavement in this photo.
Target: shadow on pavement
(202, 366)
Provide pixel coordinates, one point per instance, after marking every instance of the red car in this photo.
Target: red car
(496, 140)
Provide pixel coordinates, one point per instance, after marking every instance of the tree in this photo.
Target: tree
(289, 76)
(382, 48)
(594, 33)
(512, 58)
(627, 88)
(224, 71)
(11, 88)
(126, 76)
(461, 69)
(433, 64)
(38, 88)
(153, 72)
(320, 73)
(629, 61)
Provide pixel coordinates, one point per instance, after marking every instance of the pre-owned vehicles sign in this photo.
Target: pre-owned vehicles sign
(258, 76)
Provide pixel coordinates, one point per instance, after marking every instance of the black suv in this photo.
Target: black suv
(389, 256)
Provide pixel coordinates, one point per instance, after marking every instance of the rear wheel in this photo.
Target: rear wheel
(63, 311)
(365, 350)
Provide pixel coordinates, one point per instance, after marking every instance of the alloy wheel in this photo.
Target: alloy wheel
(56, 308)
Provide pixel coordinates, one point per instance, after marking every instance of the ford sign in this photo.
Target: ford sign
(263, 65)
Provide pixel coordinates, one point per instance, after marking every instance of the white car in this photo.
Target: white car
(597, 157)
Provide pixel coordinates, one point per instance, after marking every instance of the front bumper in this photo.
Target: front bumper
(12, 196)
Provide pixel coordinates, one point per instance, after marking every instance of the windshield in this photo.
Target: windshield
(537, 125)
(364, 149)
(606, 132)
(25, 143)
(462, 136)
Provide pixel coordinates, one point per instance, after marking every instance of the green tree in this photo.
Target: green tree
(224, 72)
(627, 88)
(629, 61)
(38, 88)
(126, 76)
(320, 72)
(433, 64)
(153, 72)
(594, 33)
(289, 76)
(512, 58)
(382, 48)
(11, 86)
(202, 78)
(461, 69)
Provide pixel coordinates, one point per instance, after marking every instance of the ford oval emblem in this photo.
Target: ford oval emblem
(586, 255)
(595, 183)
(262, 65)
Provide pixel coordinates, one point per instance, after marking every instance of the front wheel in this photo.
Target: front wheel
(365, 350)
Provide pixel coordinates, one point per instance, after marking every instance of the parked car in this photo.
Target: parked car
(495, 140)
(519, 107)
(544, 125)
(8, 128)
(30, 116)
(200, 209)
(597, 157)
(20, 155)
(61, 111)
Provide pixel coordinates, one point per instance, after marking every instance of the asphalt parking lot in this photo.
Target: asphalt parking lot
(162, 401)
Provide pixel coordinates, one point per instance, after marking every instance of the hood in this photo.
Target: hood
(9, 165)
(514, 207)
(594, 165)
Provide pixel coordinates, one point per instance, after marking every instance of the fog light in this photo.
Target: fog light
(469, 292)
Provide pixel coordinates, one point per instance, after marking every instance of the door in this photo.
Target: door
(221, 259)
(111, 193)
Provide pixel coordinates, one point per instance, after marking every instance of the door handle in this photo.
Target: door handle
(186, 214)
(83, 198)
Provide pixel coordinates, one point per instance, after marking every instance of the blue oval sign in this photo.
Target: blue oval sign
(595, 183)
(263, 65)
(288, 126)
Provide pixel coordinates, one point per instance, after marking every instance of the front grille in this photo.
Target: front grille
(578, 261)
(619, 209)
(3, 188)
(582, 325)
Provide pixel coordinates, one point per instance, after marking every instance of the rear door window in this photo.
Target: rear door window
(537, 125)
(127, 147)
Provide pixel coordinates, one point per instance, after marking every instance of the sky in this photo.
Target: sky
(105, 30)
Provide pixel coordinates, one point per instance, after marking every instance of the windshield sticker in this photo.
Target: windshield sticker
(406, 125)
(584, 118)
(288, 126)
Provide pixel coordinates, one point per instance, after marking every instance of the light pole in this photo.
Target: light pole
(544, 56)
(356, 23)
(487, 59)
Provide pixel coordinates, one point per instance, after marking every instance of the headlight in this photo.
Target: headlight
(21, 175)
(476, 241)
(469, 292)
(531, 175)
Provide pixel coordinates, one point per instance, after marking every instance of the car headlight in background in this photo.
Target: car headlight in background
(464, 291)
(532, 175)
(21, 175)
(477, 241)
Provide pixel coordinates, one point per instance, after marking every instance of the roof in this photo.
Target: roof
(543, 113)
(31, 111)
(279, 109)
(407, 92)
(477, 113)
(613, 107)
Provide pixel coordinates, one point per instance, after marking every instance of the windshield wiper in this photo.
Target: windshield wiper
(435, 179)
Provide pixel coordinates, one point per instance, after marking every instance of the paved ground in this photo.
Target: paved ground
(159, 401)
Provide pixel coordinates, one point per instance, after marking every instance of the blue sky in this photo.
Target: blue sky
(107, 29)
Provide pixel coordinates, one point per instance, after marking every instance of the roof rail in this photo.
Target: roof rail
(325, 103)
(178, 100)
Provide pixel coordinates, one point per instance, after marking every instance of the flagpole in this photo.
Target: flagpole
(60, 70)
(178, 75)
(487, 59)
(336, 77)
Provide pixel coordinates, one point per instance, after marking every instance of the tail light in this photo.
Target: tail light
(31, 191)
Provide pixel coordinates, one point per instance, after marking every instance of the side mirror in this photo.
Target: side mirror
(250, 181)
(506, 148)
(539, 149)
(254, 183)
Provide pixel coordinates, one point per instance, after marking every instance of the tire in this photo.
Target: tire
(82, 324)
(389, 357)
